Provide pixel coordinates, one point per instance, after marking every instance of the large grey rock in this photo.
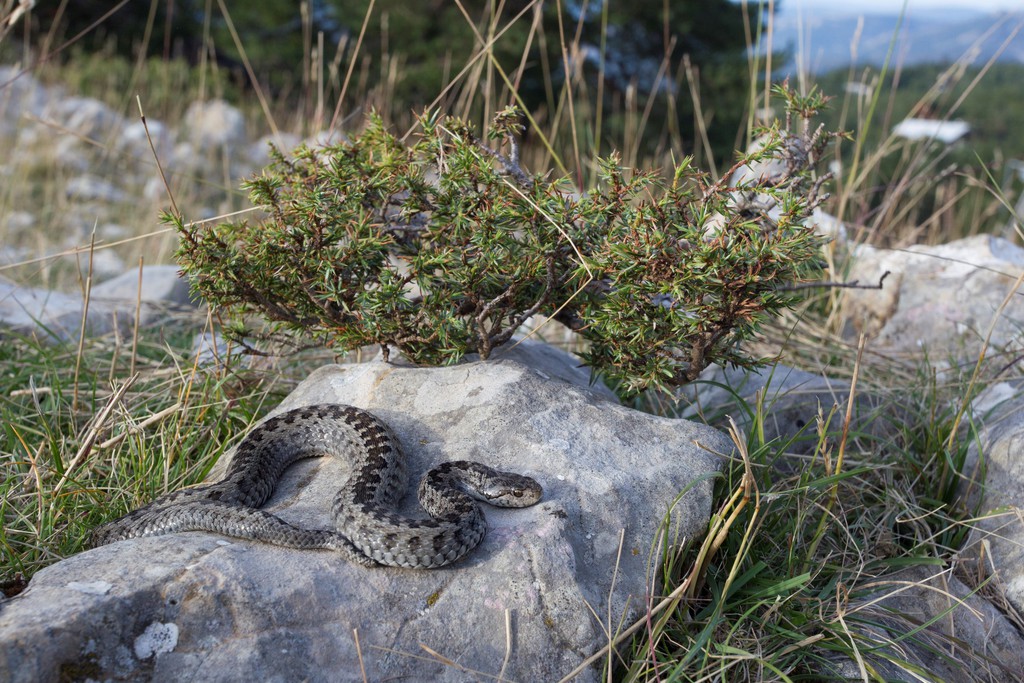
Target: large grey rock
(996, 545)
(160, 283)
(932, 621)
(46, 313)
(792, 401)
(32, 309)
(529, 604)
(939, 299)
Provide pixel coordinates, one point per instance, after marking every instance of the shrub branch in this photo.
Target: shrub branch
(446, 246)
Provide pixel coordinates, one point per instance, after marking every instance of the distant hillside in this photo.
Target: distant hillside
(824, 40)
(994, 109)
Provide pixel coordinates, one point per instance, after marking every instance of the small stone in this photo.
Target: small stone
(215, 123)
(90, 187)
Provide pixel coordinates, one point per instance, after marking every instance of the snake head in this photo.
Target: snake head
(512, 491)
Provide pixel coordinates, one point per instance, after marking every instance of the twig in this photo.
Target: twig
(138, 318)
(359, 654)
(510, 164)
(837, 285)
(156, 158)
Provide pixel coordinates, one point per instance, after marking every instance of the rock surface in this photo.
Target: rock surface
(926, 617)
(529, 604)
(939, 299)
(792, 399)
(159, 284)
(44, 313)
(996, 545)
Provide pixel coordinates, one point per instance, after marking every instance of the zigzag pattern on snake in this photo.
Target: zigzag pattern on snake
(368, 531)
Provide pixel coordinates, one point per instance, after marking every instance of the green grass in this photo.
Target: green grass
(85, 439)
(799, 540)
(798, 535)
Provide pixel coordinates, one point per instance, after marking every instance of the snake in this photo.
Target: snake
(368, 531)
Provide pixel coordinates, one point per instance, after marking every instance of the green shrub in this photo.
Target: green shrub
(446, 246)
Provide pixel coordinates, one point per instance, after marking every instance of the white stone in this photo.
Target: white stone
(135, 143)
(215, 123)
(90, 188)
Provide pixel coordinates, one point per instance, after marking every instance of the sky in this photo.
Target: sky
(896, 5)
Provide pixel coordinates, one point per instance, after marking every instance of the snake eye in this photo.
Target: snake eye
(517, 493)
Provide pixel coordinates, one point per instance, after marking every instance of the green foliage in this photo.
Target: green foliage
(693, 271)
(446, 246)
(802, 553)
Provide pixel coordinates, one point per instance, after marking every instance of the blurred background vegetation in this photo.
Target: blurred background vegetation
(653, 79)
(631, 56)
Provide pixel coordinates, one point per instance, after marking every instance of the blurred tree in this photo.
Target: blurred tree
(636, 49)
(165, 28)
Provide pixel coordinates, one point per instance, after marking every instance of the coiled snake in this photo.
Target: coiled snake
(368, 531)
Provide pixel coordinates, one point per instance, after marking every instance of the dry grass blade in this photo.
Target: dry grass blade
(508, 644)
(254, 82)
(668, 601)
(359, 654)
(87, 293)
(153, 419)
(96, 426)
